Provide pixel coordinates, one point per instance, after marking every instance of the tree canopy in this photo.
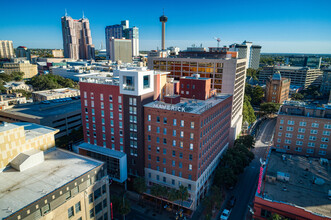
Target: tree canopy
(14, 76)
(248, 111)
(50, 81)
(269, 108)
(297, 96)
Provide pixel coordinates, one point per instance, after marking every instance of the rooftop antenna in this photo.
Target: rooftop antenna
(218, 41)
(83, 15)
(65, 12)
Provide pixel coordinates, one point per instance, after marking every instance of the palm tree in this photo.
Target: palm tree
(183, 193)
(172, 196)
(155, 191)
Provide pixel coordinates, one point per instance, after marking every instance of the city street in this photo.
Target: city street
(246, 187)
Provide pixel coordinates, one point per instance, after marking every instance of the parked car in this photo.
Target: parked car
(225, 214)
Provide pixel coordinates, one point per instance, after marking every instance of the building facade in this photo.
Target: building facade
(22, 51)
(277, 89)
(312, 62)
(29, 70)
(304, 130)
(62, 115)
(120, 50)
(227, 76)
(120, 31)
(57, 53)
(248, 51)
(299, 76)
(113, 115)
(184, 140)
(77, 38)
(6, 49)
(326, 82)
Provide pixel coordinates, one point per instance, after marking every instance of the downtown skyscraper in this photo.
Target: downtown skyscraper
(77, 39)
(120, 31)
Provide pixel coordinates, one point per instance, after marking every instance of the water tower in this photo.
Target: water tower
(163, 19)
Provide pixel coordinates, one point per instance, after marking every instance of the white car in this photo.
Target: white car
(225, 214)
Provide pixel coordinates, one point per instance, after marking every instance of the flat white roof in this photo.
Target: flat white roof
(19, 189)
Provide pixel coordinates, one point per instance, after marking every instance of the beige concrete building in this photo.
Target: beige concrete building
(227, 76)
(299, 76)
(54, 94)
(20, 137)
(277, 89)
(6, 49)
(303, 129)
(57, 53)
(29, 70)
(12, 85)
(120, 50)
(54, 184)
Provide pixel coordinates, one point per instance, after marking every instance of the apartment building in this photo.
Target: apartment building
(41, 182)
(277, 89)
(299, 76)
(112, 111)
(6, 49)
(248, 51)
(303, 129)
(227, 76)
(185, 138)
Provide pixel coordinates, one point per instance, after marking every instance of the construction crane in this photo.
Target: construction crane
(218, 41)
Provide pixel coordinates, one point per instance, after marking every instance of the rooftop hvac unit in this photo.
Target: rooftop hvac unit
(285, 177)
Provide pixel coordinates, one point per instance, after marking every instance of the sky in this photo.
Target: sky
(282, 26)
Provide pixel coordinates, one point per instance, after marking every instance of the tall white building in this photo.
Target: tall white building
(248, 51)
(119, 31)
(6, 49)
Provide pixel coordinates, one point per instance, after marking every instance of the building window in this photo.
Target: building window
(287, 141)
(111, 106)
(299, 143)
(119, 99)
(289, 122)
(164, 131)
(173, 182)
(157, 159)
(149, 157)
(298, 149)
(120, 108)
(173, 153)
(90, 198)
(174, 122)
(174, 143)
(303, 123)
(190, 167)
(182, 134)
(146, 82)
(149, 117)
(158, 119)
(165, 120)
(180, 165)
(280, 127)
(325, 139)
(164, 160)
(323, 146)
(164, 170)
(312, 138)
(281, 121)
(164, 141)
(301, 130)
(182, 123)
(78, 207)
(190, 157)
(322, 152)
(180, 155)
(315, 125)
(174, 133)
(300, 136)
(191, 136)
(289, 128)
(92, 213)
(327, 126)
(265, 213)
(191, 146)
(164, 151)
(192, 124)
(149, 128)
(71, 212)
(311, 144)
(313, 131)
(327, 133)
(310, 151)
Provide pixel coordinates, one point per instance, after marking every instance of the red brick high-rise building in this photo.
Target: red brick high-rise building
(113, 117)
(185, 138)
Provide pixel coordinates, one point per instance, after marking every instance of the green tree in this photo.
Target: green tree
(252, 72)
(172, 195)
(183, 193)
(17, 76)
(156, 192)
(269, 108)
(50, 81)
(247, 140)
(257, 95)
(297, 96)
(124, 208)
(248, 111)
(139, 185)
